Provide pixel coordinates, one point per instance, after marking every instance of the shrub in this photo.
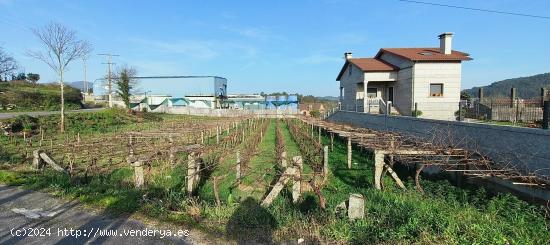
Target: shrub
(417, 113)
(21, 123)
(460, 113)
(314, 113)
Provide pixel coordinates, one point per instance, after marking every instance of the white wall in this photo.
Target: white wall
(447, 73)
(403, 92)
(402, 89)
(380, 76)
(412, 85)
(230, 112)
(349, 82)
(156, 100)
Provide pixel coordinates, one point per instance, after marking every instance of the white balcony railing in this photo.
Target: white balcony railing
(371, 105)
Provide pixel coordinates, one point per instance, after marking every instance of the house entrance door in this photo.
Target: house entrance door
(390, 94)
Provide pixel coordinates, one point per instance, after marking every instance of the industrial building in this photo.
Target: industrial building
(174, 93)
(166, 103)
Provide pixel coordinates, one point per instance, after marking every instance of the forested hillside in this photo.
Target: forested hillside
(527, 87)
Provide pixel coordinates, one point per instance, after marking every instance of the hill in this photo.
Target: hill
(81, 86)
(527, 87)
(25, 96)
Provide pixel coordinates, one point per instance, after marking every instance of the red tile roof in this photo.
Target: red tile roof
(425, 54)
(371, 64)
(414, 54)
(368, 65)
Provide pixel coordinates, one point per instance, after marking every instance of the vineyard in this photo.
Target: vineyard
(261, 180)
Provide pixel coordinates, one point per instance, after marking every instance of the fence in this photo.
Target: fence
(504, 109)
(367, 105)
(230, 112)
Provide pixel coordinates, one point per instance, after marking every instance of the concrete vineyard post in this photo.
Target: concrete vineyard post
(356, 208)
(297, 185)
(319, 130)
(349, 152)
(172, 155)
(325, 162)
(217, 134)
(378, 168)
(331, 141)
(238, 167)
(190, 173)
(283, 159)
(139, 179)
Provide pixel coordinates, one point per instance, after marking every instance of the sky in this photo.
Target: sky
(294, 46)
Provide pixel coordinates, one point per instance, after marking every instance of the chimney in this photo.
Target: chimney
(445, 42)
(347, 55)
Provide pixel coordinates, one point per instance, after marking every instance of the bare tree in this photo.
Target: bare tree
(7, 63)
(61, 47)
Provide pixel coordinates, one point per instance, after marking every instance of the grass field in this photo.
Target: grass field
(25, 96)
(445, 214)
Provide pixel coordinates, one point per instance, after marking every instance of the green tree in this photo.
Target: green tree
(464, 95)
(33, 77)
(21, 76)
(125, 83)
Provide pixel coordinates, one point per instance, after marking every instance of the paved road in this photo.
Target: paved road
(22, 209)
(43, 113)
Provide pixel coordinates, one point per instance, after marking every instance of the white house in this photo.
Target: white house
(428, 78)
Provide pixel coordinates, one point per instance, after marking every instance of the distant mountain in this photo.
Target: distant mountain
(527, 87)
(80, 85)
(329, 98)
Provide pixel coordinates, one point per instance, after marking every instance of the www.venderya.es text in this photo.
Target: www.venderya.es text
(96, 232)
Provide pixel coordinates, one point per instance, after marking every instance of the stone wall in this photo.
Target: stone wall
(526, 148)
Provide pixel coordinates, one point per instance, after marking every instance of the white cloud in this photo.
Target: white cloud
(191, 48)
(157, 67)
(253, 33)
(199, 49)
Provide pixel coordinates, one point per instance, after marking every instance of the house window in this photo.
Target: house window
(436, 89)
(372, 92)
(349, 69)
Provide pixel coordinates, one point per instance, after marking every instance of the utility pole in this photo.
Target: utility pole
(85, 76)
(109, 83)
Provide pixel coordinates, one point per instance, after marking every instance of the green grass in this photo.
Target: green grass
(445, 214)
(37, 97)
(87, 124)
(256, 176)
(512, 124)
(292, 148)
(261, 169)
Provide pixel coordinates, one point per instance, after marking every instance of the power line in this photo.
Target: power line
(478, 9)
(109, 85)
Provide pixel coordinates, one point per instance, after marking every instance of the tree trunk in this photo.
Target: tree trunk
(62, 123)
